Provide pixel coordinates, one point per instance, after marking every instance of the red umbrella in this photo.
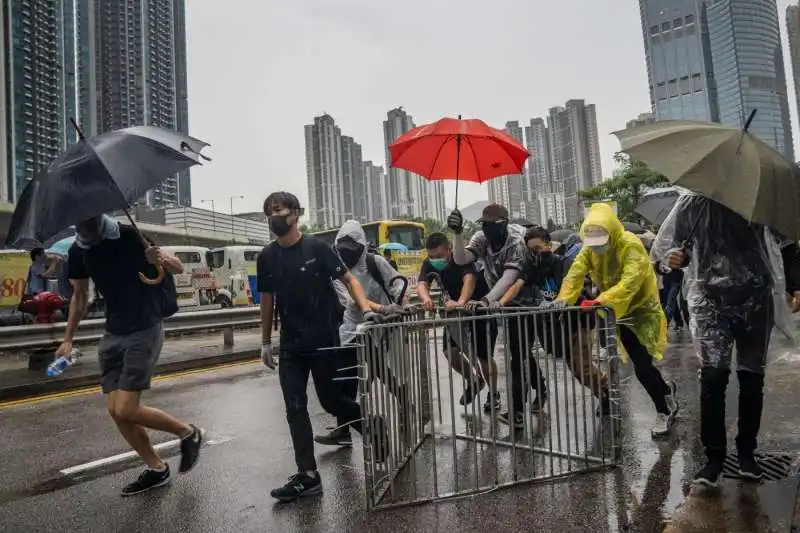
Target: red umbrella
(458, 149)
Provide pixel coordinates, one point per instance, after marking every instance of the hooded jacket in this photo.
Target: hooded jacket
(352, 314)
(625, 277)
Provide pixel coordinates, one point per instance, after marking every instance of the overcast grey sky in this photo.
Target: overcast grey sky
(260, 70)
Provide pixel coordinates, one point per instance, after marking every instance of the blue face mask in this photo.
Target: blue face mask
(438, 263)
(600, 249)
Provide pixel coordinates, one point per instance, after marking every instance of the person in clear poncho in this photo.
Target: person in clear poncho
(735, 282)
(618, 265)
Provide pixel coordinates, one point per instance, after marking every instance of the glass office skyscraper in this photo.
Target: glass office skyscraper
(679, 65)
(746, 50)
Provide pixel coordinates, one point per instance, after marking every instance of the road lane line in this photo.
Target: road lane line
(122, 457)
(85, 391)
(99, 463)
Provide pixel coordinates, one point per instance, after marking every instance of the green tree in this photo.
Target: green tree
(626, 189)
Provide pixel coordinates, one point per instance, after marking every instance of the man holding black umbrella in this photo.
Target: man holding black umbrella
(113, 256)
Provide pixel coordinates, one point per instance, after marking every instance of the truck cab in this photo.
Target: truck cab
(193, 285)
(233, 269)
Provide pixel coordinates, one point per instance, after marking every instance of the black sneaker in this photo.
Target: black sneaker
(492, 401)
(190, 450)
(709, 474)
(518, 421)
(749, 468)
(471, 391)
(337, 437)
(149, 479)
(299, 486)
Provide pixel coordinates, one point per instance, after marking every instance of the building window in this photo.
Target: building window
(677, 23)
(653, 30)
(661, 91)
(689, 19)
(685, 85)
(673, 88)
(665, 27)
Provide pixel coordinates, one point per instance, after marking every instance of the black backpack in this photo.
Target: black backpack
(375, 273)
(167, 295)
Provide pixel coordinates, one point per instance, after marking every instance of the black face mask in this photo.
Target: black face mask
(351, 255)
(496, 232)
(279, 224)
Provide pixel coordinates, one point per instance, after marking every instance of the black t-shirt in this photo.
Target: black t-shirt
(301, 278)
(452, 277)
(114, 266)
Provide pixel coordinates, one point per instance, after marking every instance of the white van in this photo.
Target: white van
(234, 271)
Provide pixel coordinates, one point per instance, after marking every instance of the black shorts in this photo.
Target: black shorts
(484, 344)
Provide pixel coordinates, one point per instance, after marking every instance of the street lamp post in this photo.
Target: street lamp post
(232, 198)
(213, 215)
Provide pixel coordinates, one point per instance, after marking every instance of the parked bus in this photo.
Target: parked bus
(234, 271)
(409, 234)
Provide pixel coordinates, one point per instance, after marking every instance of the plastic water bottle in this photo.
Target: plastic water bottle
(60, 365)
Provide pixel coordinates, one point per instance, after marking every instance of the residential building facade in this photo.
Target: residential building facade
(375, 188)
(407, 193)
(574, 154)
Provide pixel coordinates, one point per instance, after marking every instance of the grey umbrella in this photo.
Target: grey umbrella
(561, 235)
(657, 203)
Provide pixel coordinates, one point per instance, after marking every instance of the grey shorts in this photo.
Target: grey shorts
(128, 361)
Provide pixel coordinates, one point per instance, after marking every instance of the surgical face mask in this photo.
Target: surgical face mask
(496, 232)
(439, 263)
(351, 254)
(279, 224)
(600, 249)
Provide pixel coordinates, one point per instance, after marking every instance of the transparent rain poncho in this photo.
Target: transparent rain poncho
(734, 283)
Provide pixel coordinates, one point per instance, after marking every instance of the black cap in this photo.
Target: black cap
(494, 213)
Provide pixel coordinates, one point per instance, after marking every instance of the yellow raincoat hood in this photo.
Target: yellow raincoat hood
(625, 277)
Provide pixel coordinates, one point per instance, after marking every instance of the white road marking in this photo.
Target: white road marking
(119, 458)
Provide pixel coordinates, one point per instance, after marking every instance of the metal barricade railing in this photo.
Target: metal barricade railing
(425, 441)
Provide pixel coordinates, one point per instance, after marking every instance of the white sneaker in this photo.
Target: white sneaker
(660, 426)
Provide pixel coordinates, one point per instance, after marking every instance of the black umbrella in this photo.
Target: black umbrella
(634, 228)
(561, 235)
(522, 222)
(98, 175)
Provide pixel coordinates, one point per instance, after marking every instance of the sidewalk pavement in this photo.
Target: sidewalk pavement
(179, 354)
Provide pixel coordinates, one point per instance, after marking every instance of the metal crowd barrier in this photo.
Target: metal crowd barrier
(422, 444)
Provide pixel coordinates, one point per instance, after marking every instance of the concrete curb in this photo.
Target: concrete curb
(66, 382)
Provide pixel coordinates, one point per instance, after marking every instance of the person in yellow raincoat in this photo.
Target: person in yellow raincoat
(619, 266)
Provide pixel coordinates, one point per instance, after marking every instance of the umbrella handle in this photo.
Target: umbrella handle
(153, 281)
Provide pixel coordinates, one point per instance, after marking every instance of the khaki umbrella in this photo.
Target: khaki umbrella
(728, 165)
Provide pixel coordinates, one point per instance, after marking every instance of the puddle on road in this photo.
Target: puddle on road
(61, 482)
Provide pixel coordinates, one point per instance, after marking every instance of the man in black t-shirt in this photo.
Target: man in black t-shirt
(461, 284)
(295, 274)
(114, 257)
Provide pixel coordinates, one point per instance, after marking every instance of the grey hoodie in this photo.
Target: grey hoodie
(353, 315)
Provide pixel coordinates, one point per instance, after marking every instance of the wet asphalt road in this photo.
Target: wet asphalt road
(249, 453)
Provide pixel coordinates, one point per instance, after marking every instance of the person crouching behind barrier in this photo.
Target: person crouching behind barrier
(376, 277)
(620, 267)
(462, 284)
(543, 272)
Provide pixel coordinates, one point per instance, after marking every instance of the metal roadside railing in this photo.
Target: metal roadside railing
(43, 336)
